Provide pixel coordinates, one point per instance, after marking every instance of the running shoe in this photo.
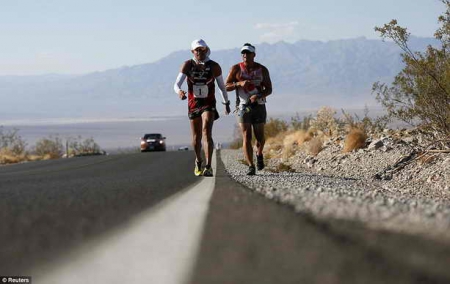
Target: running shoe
(208, 171)
(260, 162)
(251, 171)
(198, 169)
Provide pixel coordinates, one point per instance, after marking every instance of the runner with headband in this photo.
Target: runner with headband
(252, 83)
(202, 73)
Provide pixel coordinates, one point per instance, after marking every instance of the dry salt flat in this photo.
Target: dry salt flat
(389, 185)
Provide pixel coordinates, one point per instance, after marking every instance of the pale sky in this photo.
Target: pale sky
(82, 36)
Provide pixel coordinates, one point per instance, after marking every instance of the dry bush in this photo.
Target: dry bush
(7, 156)
(325, 121)
(274, 127)
(368, 124)
(274, 145)
(12, 142)
(315, 145)
(51, 147)
(356, 139)
(293, 140)
(301, 123)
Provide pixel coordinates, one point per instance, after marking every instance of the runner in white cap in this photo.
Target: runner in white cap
(202, 73)
(252, 83)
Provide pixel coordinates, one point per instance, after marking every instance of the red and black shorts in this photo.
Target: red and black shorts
(198, 111)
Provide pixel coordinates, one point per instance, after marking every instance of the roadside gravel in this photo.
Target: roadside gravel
(414, 200)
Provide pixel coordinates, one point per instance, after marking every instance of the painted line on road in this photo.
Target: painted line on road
(158, 246)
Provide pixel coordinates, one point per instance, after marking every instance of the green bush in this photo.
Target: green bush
(420, 93)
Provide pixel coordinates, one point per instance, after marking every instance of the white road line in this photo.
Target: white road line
(159, 246)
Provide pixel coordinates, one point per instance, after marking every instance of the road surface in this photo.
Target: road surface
(145, 218)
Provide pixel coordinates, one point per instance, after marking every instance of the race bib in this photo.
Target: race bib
(200, 91)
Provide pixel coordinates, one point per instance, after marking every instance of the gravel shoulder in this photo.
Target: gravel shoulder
(411, 197)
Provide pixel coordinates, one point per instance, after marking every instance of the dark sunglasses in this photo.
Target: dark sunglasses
(200, 49)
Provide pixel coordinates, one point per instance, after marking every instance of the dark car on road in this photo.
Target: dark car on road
(153, 142)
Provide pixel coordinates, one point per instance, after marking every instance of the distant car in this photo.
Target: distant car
(183, 148)
(153, 142)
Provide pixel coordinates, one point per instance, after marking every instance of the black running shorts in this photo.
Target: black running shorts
(257, 114)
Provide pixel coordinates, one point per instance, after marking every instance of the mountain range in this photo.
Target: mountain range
(305, 75)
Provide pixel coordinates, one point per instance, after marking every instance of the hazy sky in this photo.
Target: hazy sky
(81, 36)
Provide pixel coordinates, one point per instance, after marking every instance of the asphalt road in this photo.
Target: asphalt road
(46, 208)
(49, 207)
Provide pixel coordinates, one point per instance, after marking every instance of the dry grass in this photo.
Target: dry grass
(285, 143)
(356, 139)
(8, 157)
(426, 158)
(293, 140)
(274, 145)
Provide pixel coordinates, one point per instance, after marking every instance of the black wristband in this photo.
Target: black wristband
(226, 104)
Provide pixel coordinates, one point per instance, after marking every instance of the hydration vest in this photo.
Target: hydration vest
(256, 77)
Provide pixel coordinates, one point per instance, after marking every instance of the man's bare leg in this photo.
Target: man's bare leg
(196, 129)
(260, 141)
(208, 143)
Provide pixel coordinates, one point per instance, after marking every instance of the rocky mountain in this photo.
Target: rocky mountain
(305, 74)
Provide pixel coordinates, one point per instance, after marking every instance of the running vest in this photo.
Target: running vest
(256, 77)
(200, 80)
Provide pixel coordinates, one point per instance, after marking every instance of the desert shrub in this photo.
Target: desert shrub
(51, 147)
(11, 142)
(275, 142)
(301, 123)
(325, 121)
(315, 145)
(420, 93)
(275, 126)
(272, 128)
(294, 139)
(83, 147)
(366, 124)
(355, 139)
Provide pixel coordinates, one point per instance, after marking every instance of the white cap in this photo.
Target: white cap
(198, 43)
(248, 48)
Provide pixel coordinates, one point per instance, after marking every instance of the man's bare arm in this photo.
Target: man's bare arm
(231, 79)
(267, 83)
